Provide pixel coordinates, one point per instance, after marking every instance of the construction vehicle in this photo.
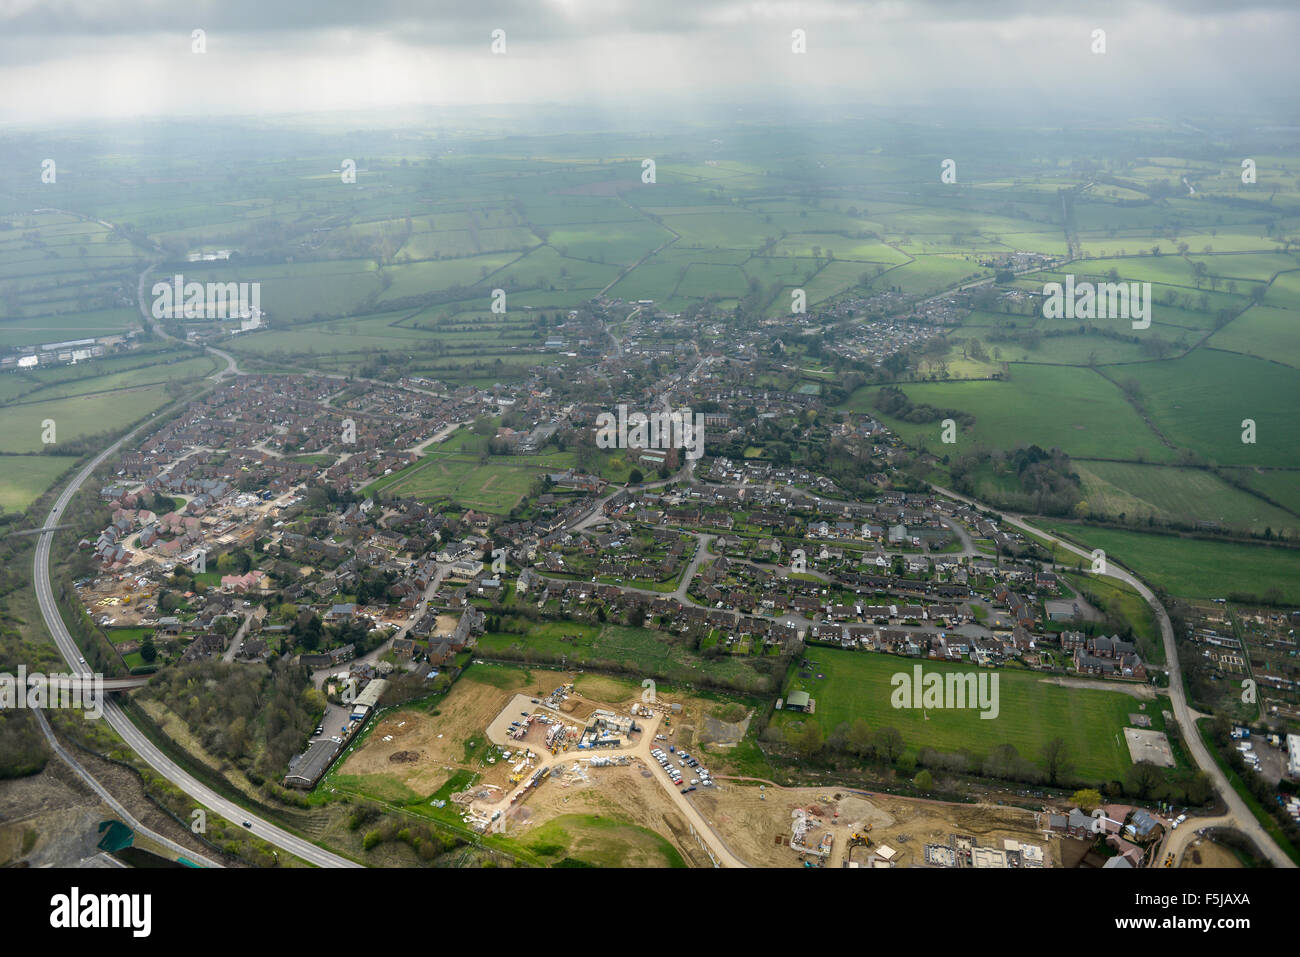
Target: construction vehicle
(859, 839)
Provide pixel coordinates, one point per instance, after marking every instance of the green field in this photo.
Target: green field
(1199, 402)
(24, 478)
(601, 842)
(631, 649)
(1031, 713)
(1264, 331)
(1074, 409)
(1195, 568)
(489, 488)
(1176, 494)
(21, 426)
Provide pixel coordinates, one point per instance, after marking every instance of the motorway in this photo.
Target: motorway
(118, 720)
(1241, 816)
(1243, 820)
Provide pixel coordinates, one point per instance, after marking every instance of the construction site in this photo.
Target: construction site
(534, 753)
(543, 749)
(770, 826)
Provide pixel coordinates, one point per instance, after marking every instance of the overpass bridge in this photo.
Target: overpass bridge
(76, 683)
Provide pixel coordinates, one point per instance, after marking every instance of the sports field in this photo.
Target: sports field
(858, 684)
(487, 488)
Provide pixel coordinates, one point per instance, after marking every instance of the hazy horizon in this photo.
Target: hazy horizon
(631, 64)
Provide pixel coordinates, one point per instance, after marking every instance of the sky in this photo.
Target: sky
(64, 60)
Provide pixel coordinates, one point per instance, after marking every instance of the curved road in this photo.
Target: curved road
(112, 802)
(122, 725)
(1245, 821)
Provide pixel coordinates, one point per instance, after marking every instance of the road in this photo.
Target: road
(321, 675)
(108, 799)
(118, 720)
(1177, 842)
(1243, 819)
(237, 642)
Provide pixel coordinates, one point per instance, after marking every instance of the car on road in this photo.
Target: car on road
(248, 824)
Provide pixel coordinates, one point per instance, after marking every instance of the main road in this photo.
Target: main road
(1245, 821)
(120, 723)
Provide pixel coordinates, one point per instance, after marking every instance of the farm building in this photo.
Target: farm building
(368, 698)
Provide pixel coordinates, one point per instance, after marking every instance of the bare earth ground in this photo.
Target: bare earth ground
(64, 814)
(424, 750)
(437, 740)
(1205, 853)
(751, 825)
(1150, 746)
(620, 793)
(1142, 692)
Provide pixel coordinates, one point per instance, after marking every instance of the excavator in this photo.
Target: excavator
(860, 838)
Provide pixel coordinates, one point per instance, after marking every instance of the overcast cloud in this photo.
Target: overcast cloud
(79, 58)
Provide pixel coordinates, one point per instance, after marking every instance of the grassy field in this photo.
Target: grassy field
(1195, 568)
(1264, 331)
(1280, 485)
(24, 478)
(858, 685)
(489, 488)
(1199, 402)
(1176, 494)
(602, 842)
(21, 426)
(635, 650)
(1071, 408)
